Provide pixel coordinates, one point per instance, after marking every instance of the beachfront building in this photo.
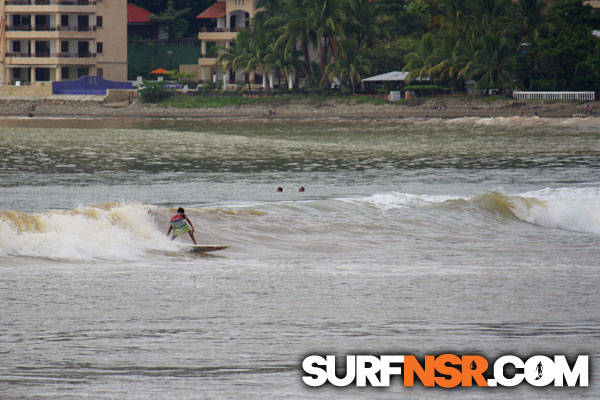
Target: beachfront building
(223, 20)
(55, 40)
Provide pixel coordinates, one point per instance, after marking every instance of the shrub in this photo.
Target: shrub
(154, 92)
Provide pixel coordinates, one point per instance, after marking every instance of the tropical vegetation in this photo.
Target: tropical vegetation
(489, 45)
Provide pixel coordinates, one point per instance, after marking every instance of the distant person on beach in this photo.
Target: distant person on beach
(280, 189)
(180, 223)
(588, 109)
(301, 189)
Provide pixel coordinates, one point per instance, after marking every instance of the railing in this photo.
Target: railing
(18, 28)
(67, 28)
(583, 96)
(77, 55)
(50, 2)
(235, 29)
(50, 28)
(50, 54)
(18, 54)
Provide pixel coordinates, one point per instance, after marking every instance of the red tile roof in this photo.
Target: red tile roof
(217, 10)
(137, 15)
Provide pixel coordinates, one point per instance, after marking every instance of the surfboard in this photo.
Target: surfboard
(203, 248)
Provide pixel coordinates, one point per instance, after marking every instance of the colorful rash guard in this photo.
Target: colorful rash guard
(179, 225)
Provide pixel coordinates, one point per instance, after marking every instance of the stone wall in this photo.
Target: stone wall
(39, 89)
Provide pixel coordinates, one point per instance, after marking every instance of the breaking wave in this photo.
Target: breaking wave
(576, 209)
(134, 231)
(107, 231)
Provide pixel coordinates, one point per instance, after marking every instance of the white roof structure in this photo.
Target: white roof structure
(393, 76)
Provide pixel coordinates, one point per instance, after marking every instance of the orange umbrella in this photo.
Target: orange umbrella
(160, 71)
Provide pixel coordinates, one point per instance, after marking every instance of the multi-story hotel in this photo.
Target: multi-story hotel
(54, 40)
(231, 17)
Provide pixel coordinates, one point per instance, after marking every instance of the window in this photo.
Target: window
(64, 20)
(16, 47)
(64, 46)
(64, 73)
(82, 72)
(99, 47)
(100, 72)
(42, 74)
(83, 22)
(99, 21)
(21, 20)
(17, 73)
(42, 49)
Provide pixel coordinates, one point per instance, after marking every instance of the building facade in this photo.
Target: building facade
(55, 40)
(228, 17)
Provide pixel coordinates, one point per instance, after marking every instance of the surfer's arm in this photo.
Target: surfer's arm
(189, 222)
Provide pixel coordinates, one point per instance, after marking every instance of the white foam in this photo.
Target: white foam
(524, 121)
(576, 209)
(120, 232)
(388, 201)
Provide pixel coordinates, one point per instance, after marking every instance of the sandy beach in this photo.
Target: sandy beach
(441, 107)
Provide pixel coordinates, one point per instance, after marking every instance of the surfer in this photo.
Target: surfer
(180, 223)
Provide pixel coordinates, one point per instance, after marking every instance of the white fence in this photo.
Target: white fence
(584, 96)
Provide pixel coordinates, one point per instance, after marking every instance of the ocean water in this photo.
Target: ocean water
(414, 236)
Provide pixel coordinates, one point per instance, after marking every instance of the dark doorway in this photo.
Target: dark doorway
(42, 49)
(83, 49)
(83, 22)
(42, 74)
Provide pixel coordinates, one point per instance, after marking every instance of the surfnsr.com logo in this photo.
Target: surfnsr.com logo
(445, 370)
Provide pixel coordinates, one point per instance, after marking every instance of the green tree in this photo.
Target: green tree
(350, 66)
(173, 20)
(365, 20)
(492, 63)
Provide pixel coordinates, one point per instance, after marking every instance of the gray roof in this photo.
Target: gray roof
(393, 76)
(388, 76)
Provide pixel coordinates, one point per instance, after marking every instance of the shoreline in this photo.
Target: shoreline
(442, 108)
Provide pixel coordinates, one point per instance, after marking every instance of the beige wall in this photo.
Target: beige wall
(120, 95)
(41, 89)
(247, 5)
(208, 65)
(192, 69)
(112, 34)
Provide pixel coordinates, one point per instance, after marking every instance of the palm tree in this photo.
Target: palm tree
(365, 20)
(173, 19)
(326, 22)
(492, 64)
(237, 56)
(350, 65)
(284, 61)
(293, 29)
(533, 18)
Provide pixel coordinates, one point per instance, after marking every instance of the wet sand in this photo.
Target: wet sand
(432, 108)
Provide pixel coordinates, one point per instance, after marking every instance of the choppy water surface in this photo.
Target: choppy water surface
(413, 237)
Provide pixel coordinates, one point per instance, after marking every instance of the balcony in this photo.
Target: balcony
(77, 55)
(64, 28)
(44, 58)
(207, 61)
(50, 2)
(29, 28)
(50, 6)
(52, 31)
(236, 29)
